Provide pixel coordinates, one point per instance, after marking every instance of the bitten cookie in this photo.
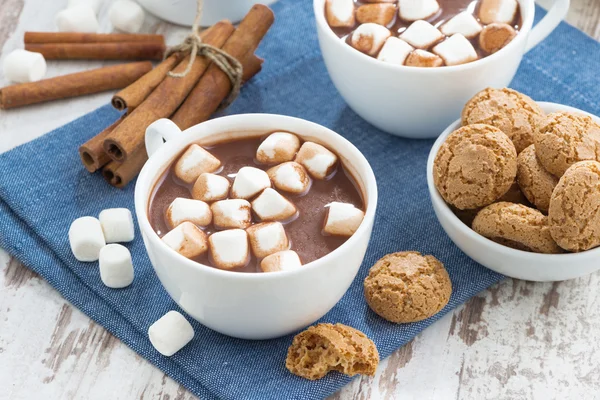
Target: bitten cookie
(535, 182)
(475, 166)
(516, 226)
(326, 347)
(566, 138)
(574, 212)
(407, 287)
(514, 113)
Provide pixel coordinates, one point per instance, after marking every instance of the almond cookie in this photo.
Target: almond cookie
(535, 182)
(566, 138)
(516, 226)
(574, 212)
(512, 112)
(407, 287)
(326, 347)
(475, 166)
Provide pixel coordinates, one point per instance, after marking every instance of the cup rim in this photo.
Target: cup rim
(154, 168)
(318, 8)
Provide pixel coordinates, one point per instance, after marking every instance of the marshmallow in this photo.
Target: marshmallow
(340, 13)
(229, 249)
(382, 14)
(24, 66)
(495, 36)
(117, 225)
(248, 182)
(187, 239)
(271, 206)
(456, 50)
(231, 213)
(170, 333)
(126, 16)
(395, 51)
(116, 268)
(80, 18)
(503, 11)
(422, 35)
(278, 147)
(342, 219)
(95, 4)
(281, 261)
(267, 238)
(210, 187)
(422, 58)
(412, 10)
(369, 38)
(194, 211)
(86, 238)
(194, 162)
(290, 177)
(318, 161)
(464, 23)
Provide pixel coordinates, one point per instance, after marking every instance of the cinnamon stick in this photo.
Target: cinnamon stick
(99, 51)
(120, 174)
(78, 37)
(71, 85)
(164, 100)
(92, 153)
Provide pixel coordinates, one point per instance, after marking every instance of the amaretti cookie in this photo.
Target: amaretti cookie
(535, 182)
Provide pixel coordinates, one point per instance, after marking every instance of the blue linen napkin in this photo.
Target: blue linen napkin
(38, 201)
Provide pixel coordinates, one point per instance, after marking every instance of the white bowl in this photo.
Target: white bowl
(505, 260)
(261, 305)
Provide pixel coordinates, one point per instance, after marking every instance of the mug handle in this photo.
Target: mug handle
(158, 132)
(555, 15)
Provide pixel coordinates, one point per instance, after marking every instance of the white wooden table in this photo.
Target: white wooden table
(518, 340)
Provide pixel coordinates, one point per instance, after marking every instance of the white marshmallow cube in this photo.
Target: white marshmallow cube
(229, 249)
(278, 147)
(95, 4)
(126, 16)
(464, 23)
(369, 38)
(117, 225)
(231, 213)
(116, 268)
(267, 238)
(503, 11)
(86, 239)
(395, 51)
(412, 10)
(456, 50)
(340, 13)
(342, 219)
(422, 35)
(318, 160)
(194, 211)
(187, 239)
(24, 66)
(170, 333)
(272, 206)
(290, 177)
(81, 18)
(210, 187)
(249, 182)
(281, 261)
(194, 162)
(424, 59)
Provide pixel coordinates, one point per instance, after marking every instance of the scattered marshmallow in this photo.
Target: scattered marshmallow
(380, 13)
(24, 66)
(395, 51)
(278, 147)
(503, 11)
(290, 177)
(187, 239)
(231, 213)
(126, 16)
(318, 161)
(117, 225)
(229, 249)
(249, 182)
(210, 187)
(86, 238)
(495, 36)
(81, 18)
(194, 162)
(95, 4)
(281, 261)
(170, 333)
(412, 10)
(422, 35)
(423, 58)
(340, 13)
(464, 23)
(342, 219)
(194, 211)
(267, 238)
(456, 50)
(272, 206)
(116, 268)
(369, 38)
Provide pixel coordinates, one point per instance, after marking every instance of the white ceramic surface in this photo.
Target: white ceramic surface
(253, 306)
(514, 263)
(420, 102)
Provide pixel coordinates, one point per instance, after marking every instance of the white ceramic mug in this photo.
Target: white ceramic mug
(260, 305)
(418, 102)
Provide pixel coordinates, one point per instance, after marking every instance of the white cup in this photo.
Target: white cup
(261, 305)
(418, 102)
